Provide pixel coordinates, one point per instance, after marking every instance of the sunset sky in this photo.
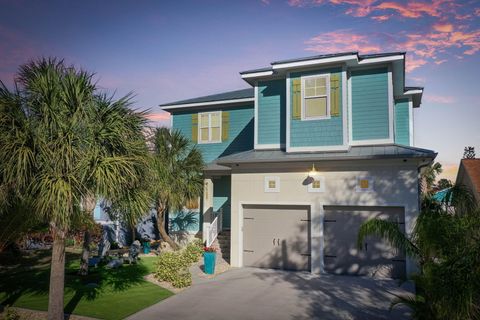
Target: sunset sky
(170, 50)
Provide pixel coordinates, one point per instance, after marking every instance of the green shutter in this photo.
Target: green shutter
(195, 127)
(225, 124)
(334, 95)
(296, 99)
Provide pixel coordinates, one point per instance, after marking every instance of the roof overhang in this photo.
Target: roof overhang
(205, 104)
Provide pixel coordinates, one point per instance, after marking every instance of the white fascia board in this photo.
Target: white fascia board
(322, 148)
(380, 59)
(257, 74)
(269, 146)
(371, 142)
(210, 103)
(313, 62)
(411, 92)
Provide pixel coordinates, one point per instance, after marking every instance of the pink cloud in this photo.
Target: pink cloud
(159, 116)
(382, 17)
(439, 99)
(341, 41)
(443, 27)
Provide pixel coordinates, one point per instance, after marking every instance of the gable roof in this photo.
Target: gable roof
(241, 95)
(472, 169)
(355, 153)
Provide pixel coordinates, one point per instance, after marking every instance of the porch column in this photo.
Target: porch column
(207, 209)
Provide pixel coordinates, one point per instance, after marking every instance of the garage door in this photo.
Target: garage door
(377, 258)
(276, 237)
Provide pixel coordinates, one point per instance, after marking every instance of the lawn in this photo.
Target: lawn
(104, 293)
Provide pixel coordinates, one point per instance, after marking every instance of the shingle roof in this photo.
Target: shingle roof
(355, 153)
(472, 168)
(230, 95)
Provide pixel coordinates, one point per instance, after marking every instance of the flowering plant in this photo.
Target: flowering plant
(209, 249)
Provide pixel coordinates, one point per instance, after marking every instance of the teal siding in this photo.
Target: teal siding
(221, 198)
(240, 134)
(370, 104)
(271, 112)
(402, 122)
(316, 133)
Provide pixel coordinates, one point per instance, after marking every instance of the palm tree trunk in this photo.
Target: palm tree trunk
(85, 253)
(134, 232)
(161, 227)
(57, 276)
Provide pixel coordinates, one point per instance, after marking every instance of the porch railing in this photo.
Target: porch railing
(215, 227)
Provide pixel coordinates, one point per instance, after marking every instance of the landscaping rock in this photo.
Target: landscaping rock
(114, 264)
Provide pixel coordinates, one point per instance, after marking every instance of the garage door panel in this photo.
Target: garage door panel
(376, 258)
(276, 237)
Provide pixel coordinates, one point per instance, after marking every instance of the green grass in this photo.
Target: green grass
(119, 292)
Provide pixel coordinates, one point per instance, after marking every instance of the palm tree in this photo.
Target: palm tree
(115, 156)
(177, 175)
(50, 157)
(429, 175)
(445, 242)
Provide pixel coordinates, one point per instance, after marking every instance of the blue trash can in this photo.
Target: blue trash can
(209, 262)
(146, 247)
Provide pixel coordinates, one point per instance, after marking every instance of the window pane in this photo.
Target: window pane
(315, 107)
(309, 92)
(310, 83)
(271, 184)
(204, 134)
(204, 120)
(316, 184)
(364, 184)
(320, 82)
(321, 91)
(216, 134)
(215, 119)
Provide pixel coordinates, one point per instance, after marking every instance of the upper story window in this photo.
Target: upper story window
(210, 127)
(316, 97)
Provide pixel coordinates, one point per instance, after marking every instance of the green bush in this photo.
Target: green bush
(173, 266)
(10, 314)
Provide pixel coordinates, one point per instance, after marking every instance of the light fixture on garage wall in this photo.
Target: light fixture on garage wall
(312, 171)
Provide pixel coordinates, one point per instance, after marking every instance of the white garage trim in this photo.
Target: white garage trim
(313, 258)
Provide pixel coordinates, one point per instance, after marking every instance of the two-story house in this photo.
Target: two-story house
(298, 161)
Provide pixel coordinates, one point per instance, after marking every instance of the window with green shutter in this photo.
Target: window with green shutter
(209, 127)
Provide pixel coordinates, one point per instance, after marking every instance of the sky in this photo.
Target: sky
(164, 51)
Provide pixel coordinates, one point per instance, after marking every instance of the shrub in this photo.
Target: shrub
(193, 251)
(69, 242)
(10, 314)
(172, 267)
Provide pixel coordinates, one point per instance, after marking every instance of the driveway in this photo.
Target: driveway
(249, 293)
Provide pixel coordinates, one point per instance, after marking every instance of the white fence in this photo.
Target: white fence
(215, 227)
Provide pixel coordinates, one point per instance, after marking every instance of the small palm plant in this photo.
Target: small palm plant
(177, 168)
(445, 242)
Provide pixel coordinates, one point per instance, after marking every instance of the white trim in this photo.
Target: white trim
(267, 180)
(199, 139)
(319, 148)
(313, 62)
(371, 142)
(319, 178)
(287, 105)
(410, 122)
(257, 74)
(391, 131)
(313, 234)
(380, 59)
(327, 96)
(255, 120)
(210, 103)
(269, 146)
(410, 92)
(344, 106)
(350, 114)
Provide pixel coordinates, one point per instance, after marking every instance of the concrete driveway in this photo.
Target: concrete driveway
(249, 293)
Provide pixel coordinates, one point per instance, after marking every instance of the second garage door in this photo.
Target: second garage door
(276, 237)
(376, 258)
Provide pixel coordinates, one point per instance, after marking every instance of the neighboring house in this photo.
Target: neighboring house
(296, 163)
(469, 176)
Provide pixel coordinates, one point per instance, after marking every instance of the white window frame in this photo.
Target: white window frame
(209, 127)
(322, 184)
(327, 95)
(277, 184)
(370, 184)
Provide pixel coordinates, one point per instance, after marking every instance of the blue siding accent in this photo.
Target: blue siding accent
(221, 198)
(402, 122)
(271, 112)
(316, 133)
(240, 135)
(370, 104)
